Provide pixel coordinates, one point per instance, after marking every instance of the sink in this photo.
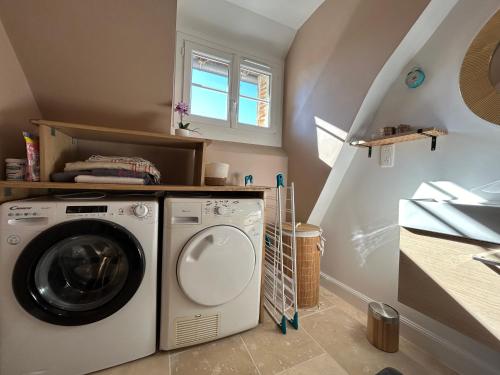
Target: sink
(473, 220)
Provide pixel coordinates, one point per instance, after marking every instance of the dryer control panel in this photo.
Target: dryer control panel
(214, 211)
(219, 207)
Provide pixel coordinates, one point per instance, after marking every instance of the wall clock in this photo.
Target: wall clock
(415, 78)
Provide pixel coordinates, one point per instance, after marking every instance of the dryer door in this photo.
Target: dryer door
(78, 272)
(216, 265)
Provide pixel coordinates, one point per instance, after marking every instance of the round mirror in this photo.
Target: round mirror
(480, 72)
(495, 69)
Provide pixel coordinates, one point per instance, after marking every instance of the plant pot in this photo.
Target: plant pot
(216, 174)
(183, 132)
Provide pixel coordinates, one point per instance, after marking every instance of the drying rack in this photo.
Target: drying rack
(280, 272)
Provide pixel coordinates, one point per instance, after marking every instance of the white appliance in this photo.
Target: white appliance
(212, 255)
(78, 284)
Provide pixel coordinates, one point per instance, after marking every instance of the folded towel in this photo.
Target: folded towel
(109, 180)
(70, 176)
(115, 162)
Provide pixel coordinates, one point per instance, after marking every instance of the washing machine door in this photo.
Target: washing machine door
(78, 272)
(216, 265)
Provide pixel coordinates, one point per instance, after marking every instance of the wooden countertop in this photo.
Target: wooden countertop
(90, 186)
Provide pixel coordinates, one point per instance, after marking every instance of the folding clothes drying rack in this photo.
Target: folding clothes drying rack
(280, 272)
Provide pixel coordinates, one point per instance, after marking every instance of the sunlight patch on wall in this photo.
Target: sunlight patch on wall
(366, 241)
(489, 192)
(329, 139)
(446, 191)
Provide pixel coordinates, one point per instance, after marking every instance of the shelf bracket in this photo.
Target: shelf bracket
(433, 139)
(369, 150)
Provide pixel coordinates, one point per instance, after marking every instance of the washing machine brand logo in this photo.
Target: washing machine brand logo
(13, 208)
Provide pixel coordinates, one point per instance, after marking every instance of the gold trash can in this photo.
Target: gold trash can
(309, 250)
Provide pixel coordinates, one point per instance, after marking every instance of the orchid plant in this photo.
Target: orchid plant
(182, 109)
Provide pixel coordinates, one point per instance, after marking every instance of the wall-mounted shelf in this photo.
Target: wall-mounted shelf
(58, 144)
(413, 135)
(123, 187)
(11, 190)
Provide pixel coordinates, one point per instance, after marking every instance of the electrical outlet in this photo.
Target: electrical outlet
(387, 154)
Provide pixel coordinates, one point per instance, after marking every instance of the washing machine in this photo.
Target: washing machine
(78, 282)
(211, 269)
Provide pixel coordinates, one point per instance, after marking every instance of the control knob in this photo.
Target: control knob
(140, 210)
(219, 210)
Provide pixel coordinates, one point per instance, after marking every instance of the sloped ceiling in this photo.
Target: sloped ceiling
(107, 62)
(236, 27)
(297, 11)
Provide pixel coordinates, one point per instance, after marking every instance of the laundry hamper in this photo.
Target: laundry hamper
(309, 251)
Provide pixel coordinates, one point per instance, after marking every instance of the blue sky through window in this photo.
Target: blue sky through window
(213, 104)
(209, 103)
(215, 81)
(248, 108)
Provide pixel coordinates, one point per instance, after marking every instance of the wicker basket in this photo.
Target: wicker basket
(308, 239)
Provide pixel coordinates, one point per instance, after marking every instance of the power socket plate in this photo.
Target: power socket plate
(387, 154)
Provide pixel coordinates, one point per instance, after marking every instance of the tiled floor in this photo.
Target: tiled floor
(331, 340)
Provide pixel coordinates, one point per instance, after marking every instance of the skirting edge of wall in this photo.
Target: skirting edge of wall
(450, 354)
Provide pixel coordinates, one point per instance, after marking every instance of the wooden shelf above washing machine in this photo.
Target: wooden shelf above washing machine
(10, 190)
(59, 143)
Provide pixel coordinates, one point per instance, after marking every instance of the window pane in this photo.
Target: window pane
(210, 72)
(255, 92)
(248, 89)
(253, 112)
(208, 103)
(209, 86)
(254, 84)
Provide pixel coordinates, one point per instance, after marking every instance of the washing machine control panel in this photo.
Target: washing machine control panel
(27, 213)
(140, 210)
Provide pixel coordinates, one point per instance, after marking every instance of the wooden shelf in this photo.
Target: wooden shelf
(59, 142)
(122, 187)
(12, 190)
(413, 135)
(402, 137)
(106, 134)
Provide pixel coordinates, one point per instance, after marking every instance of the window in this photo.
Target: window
(231, 96)
(209, 86)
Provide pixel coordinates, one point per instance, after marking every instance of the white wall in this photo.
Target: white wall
(361, 222)
(234, 27)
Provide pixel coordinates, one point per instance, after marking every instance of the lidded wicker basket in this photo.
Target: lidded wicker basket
(309, 251)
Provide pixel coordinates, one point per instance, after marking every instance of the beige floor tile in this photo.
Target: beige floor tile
(341, 303)
(424, 358)
(337, 326)
(274, 352)
(156, 364)
(344, 338)
(324, 303)
(406, 346)
(225, 356)
(321, 365)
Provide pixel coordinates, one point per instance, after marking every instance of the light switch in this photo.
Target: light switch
(387, 156)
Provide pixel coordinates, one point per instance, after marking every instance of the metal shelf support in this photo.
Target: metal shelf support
(433, 138)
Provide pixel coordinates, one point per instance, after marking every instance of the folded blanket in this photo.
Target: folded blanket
(70, 176)
(109, 180)
(115, 162)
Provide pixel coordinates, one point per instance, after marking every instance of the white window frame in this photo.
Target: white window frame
(230, 130)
